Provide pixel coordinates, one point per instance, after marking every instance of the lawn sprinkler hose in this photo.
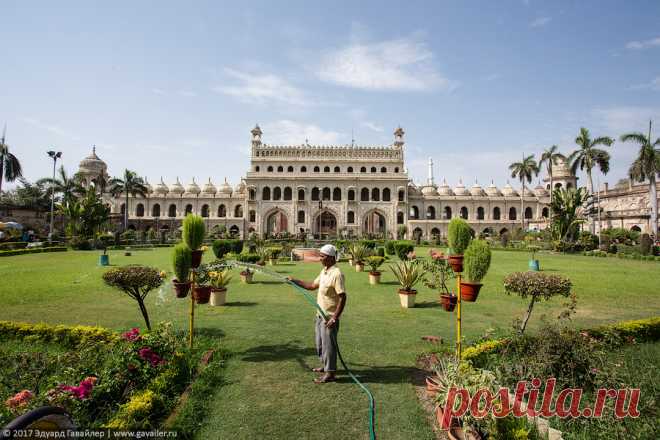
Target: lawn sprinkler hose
(312, 300)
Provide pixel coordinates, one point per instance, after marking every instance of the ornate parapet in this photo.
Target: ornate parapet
(337, 152)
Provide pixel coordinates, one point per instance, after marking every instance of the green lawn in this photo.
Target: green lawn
(267, 331)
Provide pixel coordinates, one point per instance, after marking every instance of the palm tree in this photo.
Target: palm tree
(567, 213)
(10, 167)
(549, 157)
(130, 184)
(69, 187)
(524, 171)
(646, 166)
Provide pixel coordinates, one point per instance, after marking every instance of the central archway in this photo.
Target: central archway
(276, 223)
(326, 223)
(374, 224)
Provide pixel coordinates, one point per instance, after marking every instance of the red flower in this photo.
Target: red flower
(132, 335)
(20, 399)
(149, 355)
(83, 390)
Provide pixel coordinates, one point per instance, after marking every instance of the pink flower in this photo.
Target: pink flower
(411, 255)
(132, 335)
(436, 255)
(594, 370)
(83, 390)
(149, 355)
(20, 399)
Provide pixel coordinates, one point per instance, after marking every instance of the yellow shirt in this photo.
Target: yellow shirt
(331, 284)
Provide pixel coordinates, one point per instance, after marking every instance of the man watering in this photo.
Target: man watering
(332, 299)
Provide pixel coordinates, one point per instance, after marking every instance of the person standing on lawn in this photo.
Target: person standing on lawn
(332, 299)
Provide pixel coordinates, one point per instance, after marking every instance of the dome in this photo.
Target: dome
(150, 189)
(492, 190)
(412, 188)
(476, 189)
(176, 187)
(539, 191)
(240, 188)
(444, 189)
(508, 190)
(193, 188)
(460, 189)
(161, 188)
(225, 188)
(429, 190)
(209, 188)
(93, 164)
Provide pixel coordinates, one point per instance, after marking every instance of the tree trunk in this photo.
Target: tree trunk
(527, 315)
(590, 191)
(522, 206)
(552, 189)
(653, 198)
(2, 170)
(126, 212)
(145, 314)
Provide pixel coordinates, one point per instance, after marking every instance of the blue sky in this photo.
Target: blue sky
(173, 88)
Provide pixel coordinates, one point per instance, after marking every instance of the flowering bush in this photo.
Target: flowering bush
(136, 282)
(20, 399)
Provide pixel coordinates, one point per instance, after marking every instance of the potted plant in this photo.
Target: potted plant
(459, 235)
(219, 281)
(374, 263)
(193, 233)
(202, 288)
(181, 264)
(533, 262)
(246, 275)
(476, 262)
(408, 273)
(358, 253)
(274, 253)
(440, 272)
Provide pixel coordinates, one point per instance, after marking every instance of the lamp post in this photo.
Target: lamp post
(54, 155)
(320, 212)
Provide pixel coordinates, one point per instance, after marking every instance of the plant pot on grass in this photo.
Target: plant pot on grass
(358, 253)
(408, 273)
(448, 302)
(533, 264)
(104, 260)
(407, 298)
(181, 289)
(181, 263)
(246, 276)
(202, 294)
(219, 281)
(359, 266)
(374, 263)
(477, 262)
(459, 235)
(218, 296)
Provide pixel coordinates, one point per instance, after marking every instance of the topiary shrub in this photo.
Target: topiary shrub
(402, 249)
(223, 247)
(380, 252)
(136, 282)
(389, 247)
(193, 231)
(459, 235)
(645, 244)
(249, 258)
(181, 262)
(476, 261)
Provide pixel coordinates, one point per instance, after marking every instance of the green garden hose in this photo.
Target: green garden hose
(312, 300)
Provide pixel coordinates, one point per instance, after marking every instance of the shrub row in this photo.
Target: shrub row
(33, 251)
(223, 247)
(11, 245)
(140, 246)
(68, 336)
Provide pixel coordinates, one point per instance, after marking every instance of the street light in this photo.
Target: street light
(54, 155)
(320, 212)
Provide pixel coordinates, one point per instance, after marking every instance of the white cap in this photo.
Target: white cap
(329, 250)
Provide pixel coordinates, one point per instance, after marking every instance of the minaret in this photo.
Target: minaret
(398, 138)
(430, 178)
(256, 138)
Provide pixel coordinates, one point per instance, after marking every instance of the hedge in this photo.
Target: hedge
(223, 247)
(33, 251)
(11, 245)
(69, 336)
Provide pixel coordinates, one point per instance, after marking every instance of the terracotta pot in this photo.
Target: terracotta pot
(407, 298)
(350, 261)
(374, 278)
(439, 414)
(247, 278)
(456, 263)
(431, 388)
(470, 291)
(202, 294)
(181, 289)
(448, 302)
(196, 259)
(359, 267)
(218, 297)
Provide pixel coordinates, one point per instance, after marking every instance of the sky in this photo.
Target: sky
(173, 89)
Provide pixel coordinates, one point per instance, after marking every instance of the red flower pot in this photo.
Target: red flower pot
(470, 291)
(456, 263)
(202, 294)
(181, 289)
(196, 258)
(448, 302)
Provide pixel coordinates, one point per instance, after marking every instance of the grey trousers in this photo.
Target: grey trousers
(325, 348)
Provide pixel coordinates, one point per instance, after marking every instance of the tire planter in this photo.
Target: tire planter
(407, 298)
(218, 297)
(196, 258)
(246, 278)
(374, 278)
(359, 267)
(181, 289)
(202, 294)
(456, 263)
(534, 265)
(104, 260)
(448, 302)
(470, 291)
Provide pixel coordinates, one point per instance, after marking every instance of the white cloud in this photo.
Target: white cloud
(372, 126)
(259, 89)
(55, 129)
(287, 132)
(404, 64)
(540, 22)
(654, 84)
(646, 44)
(624, 119)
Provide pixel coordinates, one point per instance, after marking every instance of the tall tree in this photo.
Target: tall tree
(10, 167)
(587, 157)
(567, 213)
(69, 187)
(549, 157)
(524, 171)
(646, 166)
(130, 184)
(94, 213)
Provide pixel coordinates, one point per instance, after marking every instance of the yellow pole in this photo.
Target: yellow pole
(458, 316)
(192, 311)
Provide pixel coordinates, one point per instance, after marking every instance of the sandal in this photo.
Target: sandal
(318, 370)
(325, 379)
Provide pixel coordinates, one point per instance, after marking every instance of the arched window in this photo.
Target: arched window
(301, 216)
(139, 210)
(528, 213)
(512, 213)
(350, 217)
(280, 169)
(155, 210)
(238, 211)
(545, 213)
(557, 185)
(396, 169)
(277, 193)
(402, 195)
(270, 169)
(349, 169)
(303, 169)
(364, 195)
(363, 169)
(464, 213)
(288, 194)
(435, 233)
(447, 213)
(569, 185)
(315, 194)
(253, 216)
(317, 169)
(375, 195)
(326, 193)
(386, 194)
(171, 211)
(430, 213)
(289, 169)
(373, 169)
(399, 218)
(265, 193)
(336, 194)
(326, 169)
(383, 170)
(496, 213)
(222, 211)
(252, 194)
(301, 194)
(480, 213)
(256, 168)
(351, 195)
(122, 208)
(188, 209)
(337, 170)
(414, 212)
(205, 210)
